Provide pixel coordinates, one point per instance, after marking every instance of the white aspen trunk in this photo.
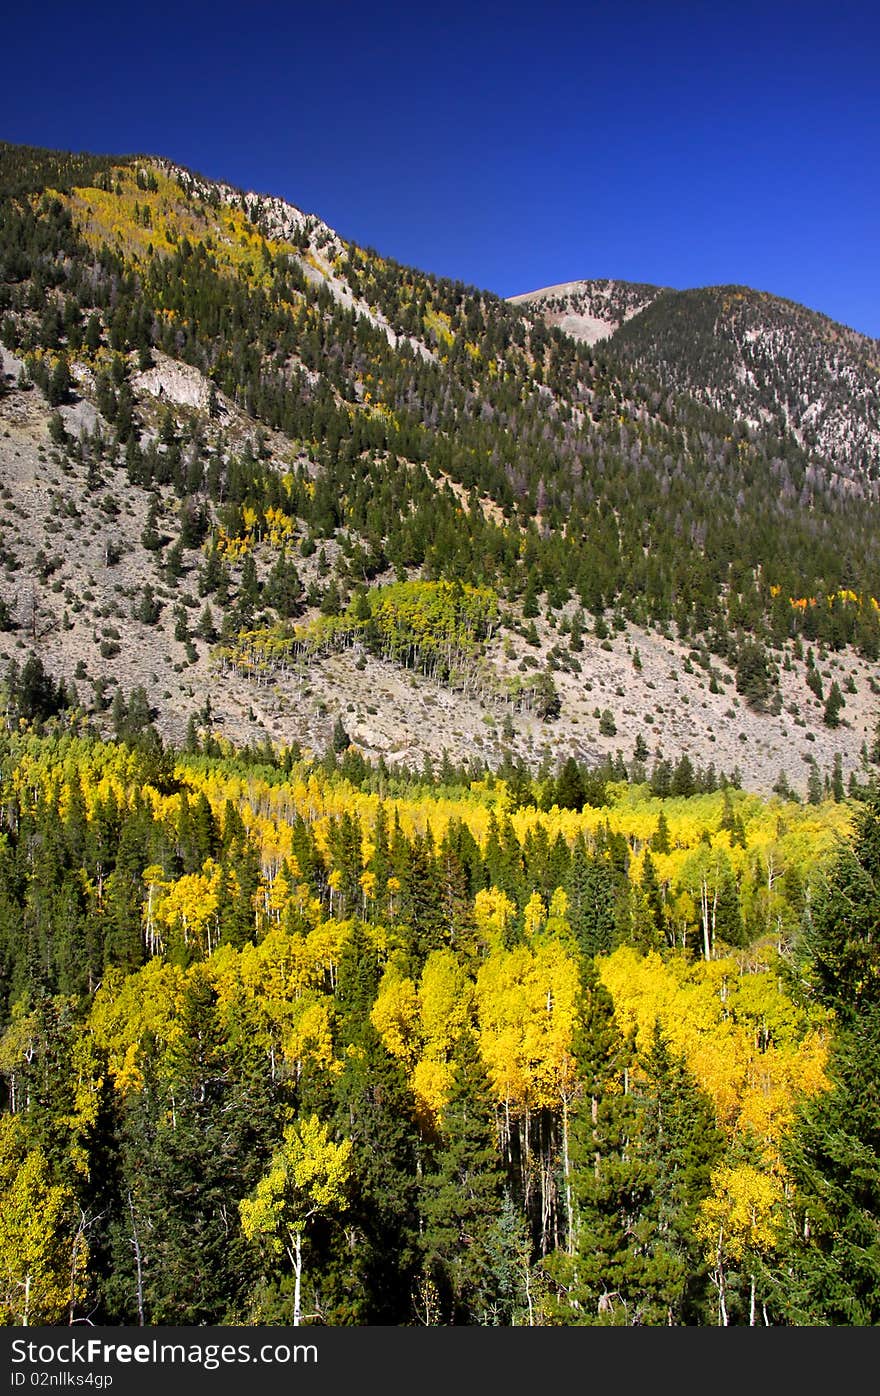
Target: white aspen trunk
(74, 1250)
(722, 1298)
(722, 1303)
(566, 1174)
(136, 1246)
(704, 918)
(297, 1280)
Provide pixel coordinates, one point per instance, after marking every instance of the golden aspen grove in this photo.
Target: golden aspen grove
(283, 986)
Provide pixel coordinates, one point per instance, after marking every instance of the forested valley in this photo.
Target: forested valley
(353, 1030)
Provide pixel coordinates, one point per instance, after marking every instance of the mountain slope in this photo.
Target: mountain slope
(232, 438)
(754, 356)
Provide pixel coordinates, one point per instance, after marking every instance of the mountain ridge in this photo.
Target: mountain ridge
(753, 353)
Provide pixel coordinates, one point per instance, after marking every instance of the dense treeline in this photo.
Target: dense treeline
(279, 1049)
(28, 169)
(84, 821)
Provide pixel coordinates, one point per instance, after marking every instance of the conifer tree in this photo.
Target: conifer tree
(684, 1142)
(621, 1268)
(830, 1269)
(462, 1196)
(591, 888)
(833, 704)
(653, 897)
(193, 1140)
(660, 842)
(375, 1279)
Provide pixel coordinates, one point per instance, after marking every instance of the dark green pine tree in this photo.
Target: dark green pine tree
(682, 1137)
(374, 1278)
(660, 840)
(194, 1140)
(753, 678)
(75, 821)
(830, 1270)
(596, 1045)
(502, 858)
(357, 984)
(620, 1268)
(833, 704)
(729, 925)
(592, 890)
(456, 897)
(123, 938)
(374, 1275)
(421, 903)
(569, 792)
(462, 1197)
(653, 898)
(346, 844)
(380, 860)
(236, 913)
(284, 589)
(204, 830)
(13, 955)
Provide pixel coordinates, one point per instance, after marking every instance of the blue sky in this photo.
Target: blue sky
(508, 146)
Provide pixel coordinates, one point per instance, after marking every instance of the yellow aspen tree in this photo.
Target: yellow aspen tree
(740, 1222)
(157, 885)
(259, 986)
(446, 998)
(307, 1177)
(393, 888)
(493, 913)
(190, 906)
(534, 916)
(311, 1036)
(43, 1251)
(526, 1006)
(395, 1015)
(277, 895)
(127, 1009)
(18, 1044)
(367, 882)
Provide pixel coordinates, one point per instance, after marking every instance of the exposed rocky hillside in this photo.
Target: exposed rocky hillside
(287, 488)
(76, 570)
(589, 311)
